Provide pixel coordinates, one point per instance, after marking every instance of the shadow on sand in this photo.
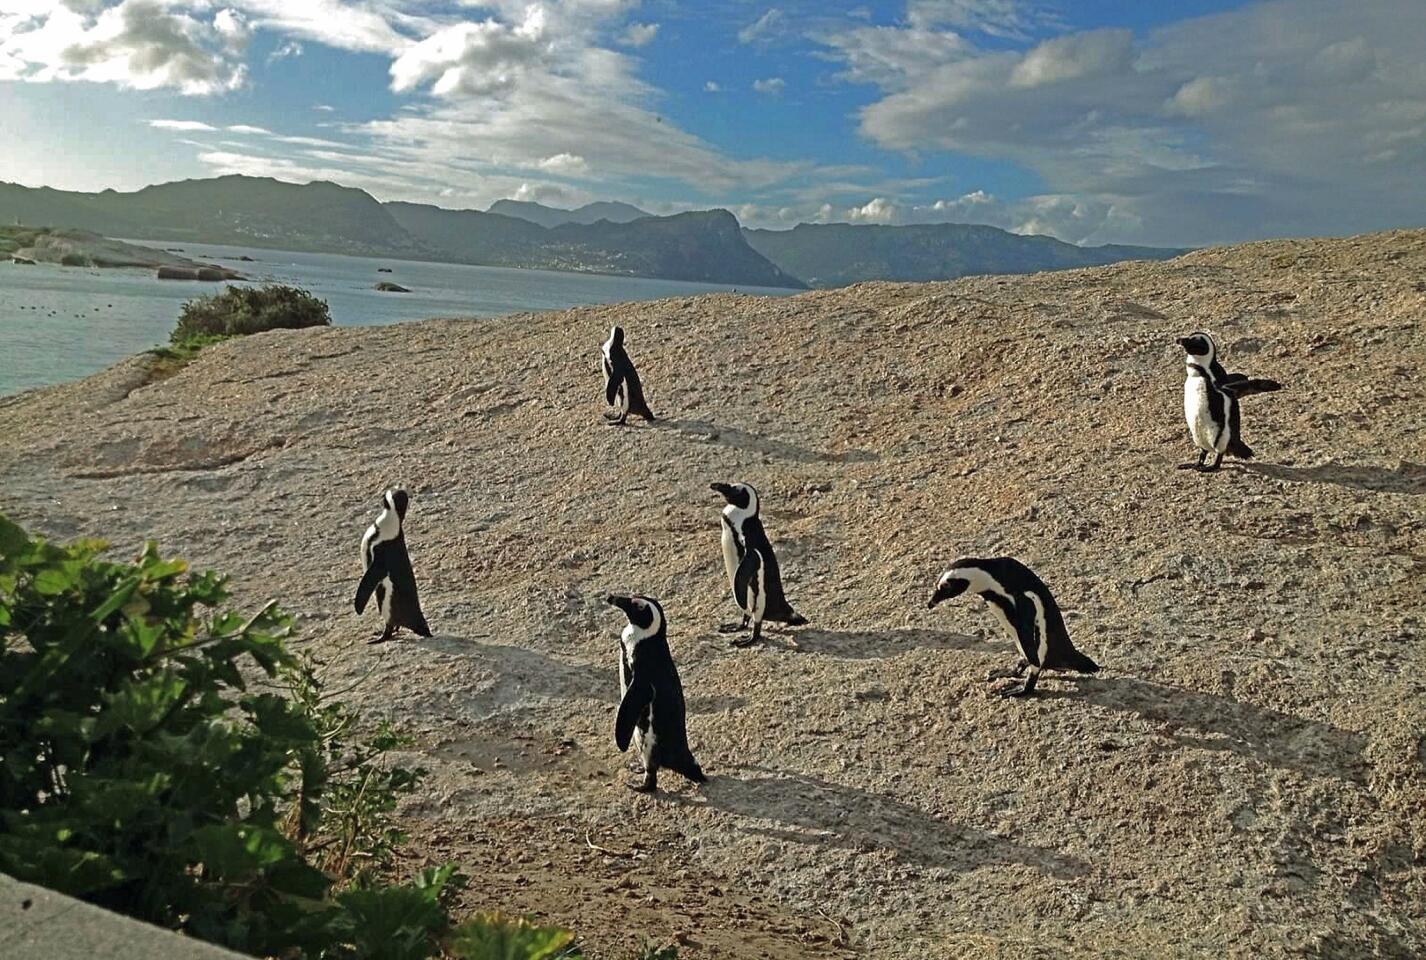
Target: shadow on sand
(778, 449)
(1208, 722)
(881, 644)
(807, 810)
(524, 674)
(1409, 478)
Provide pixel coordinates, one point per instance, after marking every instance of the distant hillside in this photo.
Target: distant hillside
(706, 246)
(554, 217)
(247, 210)
(615, 238)
(836, 254)
(325, 217)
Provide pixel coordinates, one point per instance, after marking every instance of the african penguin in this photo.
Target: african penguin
(1210, 401)
(622, 389)
(1025, 606)
(751, 565)
(652, 713)
(387, 570)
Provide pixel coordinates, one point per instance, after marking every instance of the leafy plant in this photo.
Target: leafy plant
(495, 936)
(242, 310)
(139, 771)
(173, 761)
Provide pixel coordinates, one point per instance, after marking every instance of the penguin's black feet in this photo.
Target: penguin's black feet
(741, 642)
(1190, 466)
(733, 627)
(617, 422)
(382, 637)
(1016, 690)
(650, 783)
(1001, 673)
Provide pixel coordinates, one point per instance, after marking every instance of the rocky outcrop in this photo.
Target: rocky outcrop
(1244, 777)
(386, 286)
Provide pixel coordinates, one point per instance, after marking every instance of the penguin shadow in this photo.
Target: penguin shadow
(523, 674)
(815, 812)
(1409, 478)
(778, 449)
(1206, 721)
(880, 644)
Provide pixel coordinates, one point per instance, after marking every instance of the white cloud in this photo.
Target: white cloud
(876, 210)
(1006, 19)
(289, 49)
(248, 129)
(324, 108)
(1283, 117)
(474, 59)
(764, 28)
(141, 44)
(711, 86)
(770, 85)
(639, 34)
(187, 125)
(564, 163)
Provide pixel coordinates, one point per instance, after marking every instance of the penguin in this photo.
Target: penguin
(652, 714)
(751, 565)
(1210, 400)
(1026, 608)
(622, 389)
(387, 570)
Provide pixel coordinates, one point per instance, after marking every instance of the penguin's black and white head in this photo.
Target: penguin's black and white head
(963, 575)
(644, 613)
(396, 500)
(742, 498)
(1200, 348)
(616, 337)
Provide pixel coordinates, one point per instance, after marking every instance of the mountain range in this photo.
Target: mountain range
(615, 238)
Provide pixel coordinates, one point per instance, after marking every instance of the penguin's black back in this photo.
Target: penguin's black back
(667, 714)
(778, 609)
(1020, 581)
(623, 369)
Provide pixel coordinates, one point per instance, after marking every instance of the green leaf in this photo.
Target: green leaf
(237, 851)
(52, 581)
(494, 936)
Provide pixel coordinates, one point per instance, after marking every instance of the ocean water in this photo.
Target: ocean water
(62, 323)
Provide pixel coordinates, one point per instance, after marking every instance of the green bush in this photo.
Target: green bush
(171, 760)
(242, 310)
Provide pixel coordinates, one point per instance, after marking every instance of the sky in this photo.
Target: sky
(1095, 121)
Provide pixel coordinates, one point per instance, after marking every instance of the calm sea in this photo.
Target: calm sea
(61, 323)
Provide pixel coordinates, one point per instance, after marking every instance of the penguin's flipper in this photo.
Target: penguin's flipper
(636, 699)
(1246, 387)
(375, 573)
(611, 386)
(746, 581)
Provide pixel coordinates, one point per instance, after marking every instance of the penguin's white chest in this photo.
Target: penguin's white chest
(1205, 432)
(730, 552)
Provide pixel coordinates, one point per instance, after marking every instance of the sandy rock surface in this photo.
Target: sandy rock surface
(1245, 778)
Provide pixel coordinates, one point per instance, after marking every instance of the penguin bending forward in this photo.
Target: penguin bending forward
(622, 389)
(1024, 604)
(652, 714)
(387, 570)
(1210, 401)
(751, 565)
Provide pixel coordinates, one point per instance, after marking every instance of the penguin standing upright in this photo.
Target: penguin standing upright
(1210, 401)
(387, 570)
(1026, 608)
(622, 389)
(751, 565)
(652, 714)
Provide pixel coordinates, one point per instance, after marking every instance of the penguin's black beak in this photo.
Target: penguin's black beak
(621, 600)
(721, 488)
(953, 589)
(1183, 342)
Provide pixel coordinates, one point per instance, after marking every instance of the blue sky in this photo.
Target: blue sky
(1097, 121)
